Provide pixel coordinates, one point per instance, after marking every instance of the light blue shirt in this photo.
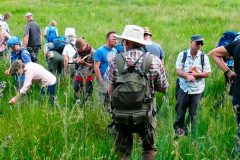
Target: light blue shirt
(198, 85)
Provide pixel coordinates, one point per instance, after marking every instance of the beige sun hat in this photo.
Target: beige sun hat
(133, 33)
(147, 31)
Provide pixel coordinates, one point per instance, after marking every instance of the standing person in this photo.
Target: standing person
(17, 53)
(102, 57)
(153, 48)
(192, 72)
(32, 36)
(33, 72)
(4, 36)
(84, 69)
(140, 117)
(232, 49)
(69, 51)
(6, 17)
(51, 32)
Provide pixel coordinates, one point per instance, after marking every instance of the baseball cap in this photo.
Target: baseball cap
(197, 37)
(28, 14)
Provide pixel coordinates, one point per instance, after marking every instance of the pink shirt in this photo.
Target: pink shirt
(3, 38)
(36, 72)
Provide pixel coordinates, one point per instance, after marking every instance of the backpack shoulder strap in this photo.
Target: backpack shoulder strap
(120, 62)
(184, 58)
(202, 60)
(73, 46)
(147, 62)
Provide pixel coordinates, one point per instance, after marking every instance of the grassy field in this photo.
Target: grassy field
(32, 129)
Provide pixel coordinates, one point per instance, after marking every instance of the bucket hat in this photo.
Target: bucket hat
(133, 33)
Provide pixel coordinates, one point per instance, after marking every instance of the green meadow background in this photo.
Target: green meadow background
(32, 129)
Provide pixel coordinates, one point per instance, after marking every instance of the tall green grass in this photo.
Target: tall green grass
(33, 129)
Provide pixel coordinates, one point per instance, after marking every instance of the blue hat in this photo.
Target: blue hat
(197, 37)
(13, 41)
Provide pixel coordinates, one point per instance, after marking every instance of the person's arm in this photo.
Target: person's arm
(110, 89)
(217, 55)
(25, 41)
(160, 82)
(97, 71)
(65, 62)
(14, 99)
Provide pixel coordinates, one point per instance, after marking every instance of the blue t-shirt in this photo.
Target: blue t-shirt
(155, 49)
(104, 55)
(25, 57)
(22, 54)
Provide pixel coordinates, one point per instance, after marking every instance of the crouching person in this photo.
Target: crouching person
(134, 76)
(33, 72)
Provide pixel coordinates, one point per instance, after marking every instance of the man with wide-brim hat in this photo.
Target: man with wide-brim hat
(132, 38)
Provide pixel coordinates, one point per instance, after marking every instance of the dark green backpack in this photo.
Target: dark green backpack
(131, 98)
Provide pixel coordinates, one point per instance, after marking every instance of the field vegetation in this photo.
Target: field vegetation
(33, 129)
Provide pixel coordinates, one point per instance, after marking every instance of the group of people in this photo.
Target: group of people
(130, 79)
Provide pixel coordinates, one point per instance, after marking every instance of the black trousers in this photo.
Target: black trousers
(186, 101)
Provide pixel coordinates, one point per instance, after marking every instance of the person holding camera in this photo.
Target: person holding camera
(192, 67)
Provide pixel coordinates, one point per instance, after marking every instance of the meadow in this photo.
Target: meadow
(33, 129)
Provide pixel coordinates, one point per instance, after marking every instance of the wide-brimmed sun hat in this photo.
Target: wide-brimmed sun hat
(133, 33)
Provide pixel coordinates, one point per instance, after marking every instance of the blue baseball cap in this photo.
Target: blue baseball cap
(13, 41)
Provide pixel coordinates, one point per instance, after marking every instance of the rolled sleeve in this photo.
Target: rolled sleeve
(207, 66)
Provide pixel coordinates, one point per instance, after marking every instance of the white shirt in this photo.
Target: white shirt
(198, 85)
(69, 51)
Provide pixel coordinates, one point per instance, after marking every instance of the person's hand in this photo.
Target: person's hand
(194, 74)
(190, 77)
(12, 101)
(7, 72)
(81, 61)
(231, 74)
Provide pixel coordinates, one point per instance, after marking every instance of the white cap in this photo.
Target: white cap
(28, 14)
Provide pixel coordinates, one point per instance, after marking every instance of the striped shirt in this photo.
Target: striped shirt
(156, 74)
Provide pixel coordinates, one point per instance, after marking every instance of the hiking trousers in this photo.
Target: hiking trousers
(186, 101)
(34, 51)
(124, 140)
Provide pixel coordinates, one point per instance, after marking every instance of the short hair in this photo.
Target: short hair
(53, 23)
(16, 66)
(111, 32)
(7, 15)
(80, 43)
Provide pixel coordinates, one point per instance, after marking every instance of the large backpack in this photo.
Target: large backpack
(51, 34)
(59, 44)
(131, 98)
(228, 37)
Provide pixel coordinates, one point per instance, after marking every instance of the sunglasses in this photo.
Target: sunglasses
(200, 43)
